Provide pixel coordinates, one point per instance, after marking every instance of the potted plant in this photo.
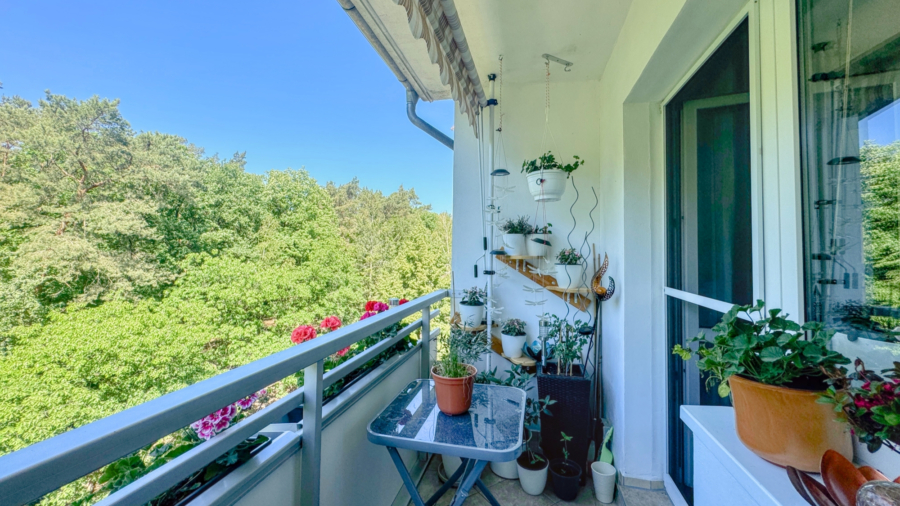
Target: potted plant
(775, 373)
(454, 372)
(566, 473)
(471, 307)
(514, 233)
(564, 381)
(547, 177)
(536, 243)
(512, 335)
(870, 403)
(569, 269)
(531, 465)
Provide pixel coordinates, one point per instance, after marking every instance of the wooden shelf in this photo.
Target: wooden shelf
(521, 257)
(525, 361)
(454, 321)
(580, 299)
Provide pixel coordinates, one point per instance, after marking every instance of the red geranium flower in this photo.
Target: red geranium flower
(343, 352)
(331, 323)
(370, 306)
(403, 301)
(303, 333)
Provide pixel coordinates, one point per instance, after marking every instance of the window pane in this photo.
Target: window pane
(851, 162)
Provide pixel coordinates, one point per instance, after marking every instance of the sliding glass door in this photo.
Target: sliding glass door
(710, 237)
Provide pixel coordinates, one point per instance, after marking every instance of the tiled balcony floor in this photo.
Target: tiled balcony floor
(508, 492)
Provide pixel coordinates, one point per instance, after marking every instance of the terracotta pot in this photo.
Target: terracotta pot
(454, 395)
(786, 426)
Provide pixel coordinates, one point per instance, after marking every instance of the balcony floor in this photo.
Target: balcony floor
(509, 492)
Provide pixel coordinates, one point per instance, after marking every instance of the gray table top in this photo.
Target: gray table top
(491, 430)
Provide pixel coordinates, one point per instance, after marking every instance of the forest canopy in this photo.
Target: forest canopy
(132, 265)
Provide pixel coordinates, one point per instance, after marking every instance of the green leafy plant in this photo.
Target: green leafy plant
(770, 349)
(869, 402)
(513, 327)
(565, 441)
(569, 257)
(543, 230)
(520, 225)
(473, 297)
(548, 161)
(569, 344)
(461, 348)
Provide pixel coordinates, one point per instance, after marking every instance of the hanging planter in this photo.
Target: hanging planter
(547, 178)
(471, 307)
(569, 269)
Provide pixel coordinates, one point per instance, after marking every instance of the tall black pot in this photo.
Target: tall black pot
(571, 413)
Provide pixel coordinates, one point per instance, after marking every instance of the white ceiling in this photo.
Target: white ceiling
(581, 31)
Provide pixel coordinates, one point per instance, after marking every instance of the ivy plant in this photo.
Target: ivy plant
(765, 347)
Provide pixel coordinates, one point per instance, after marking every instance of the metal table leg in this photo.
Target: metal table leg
(487, 494)
(469, 479)
(411, 487)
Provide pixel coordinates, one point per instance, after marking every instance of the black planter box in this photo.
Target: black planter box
(571, 413)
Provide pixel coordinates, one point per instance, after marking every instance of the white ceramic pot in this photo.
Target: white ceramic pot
(537, 249)
(451, 464)
(515, 244)
(604, 481)
(507, 470)
(512, 345)
(547, 186)
(533, 481)
(570, 276)
(471, 316)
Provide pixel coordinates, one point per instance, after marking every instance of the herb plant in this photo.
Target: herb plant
(565, 441)
(568, 257)
(569, 346)
(520, 225)
(543, 230)
(461, 348)
(513, 327)
(869, 402)
(473, 297)
(547, 161)
(772, 350)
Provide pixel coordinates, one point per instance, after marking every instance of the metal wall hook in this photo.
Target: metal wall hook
(565, 63)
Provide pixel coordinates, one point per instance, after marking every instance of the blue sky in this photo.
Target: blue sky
(292, 83)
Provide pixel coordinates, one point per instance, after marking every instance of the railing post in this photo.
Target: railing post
(311, 461)
(425, 371)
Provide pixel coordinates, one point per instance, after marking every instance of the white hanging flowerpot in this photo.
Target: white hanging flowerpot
(547, 185)
(539, 247)
(515, 244)
(569, 276)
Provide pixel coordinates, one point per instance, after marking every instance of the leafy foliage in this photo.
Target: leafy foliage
(513, 327)
(473, 296)
(869, 402)
(520, 225)
(568, 344)
(460, 348)
(132, 265)
(772, 350)
(569, 256)
(547, 161)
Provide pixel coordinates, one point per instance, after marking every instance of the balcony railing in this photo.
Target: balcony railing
(30, 473)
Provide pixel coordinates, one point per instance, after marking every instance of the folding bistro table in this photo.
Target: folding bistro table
(490, 432)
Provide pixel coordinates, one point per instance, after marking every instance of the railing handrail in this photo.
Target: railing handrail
(32, 472)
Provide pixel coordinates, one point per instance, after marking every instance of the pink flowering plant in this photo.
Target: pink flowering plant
(869, 402)
(214, 423)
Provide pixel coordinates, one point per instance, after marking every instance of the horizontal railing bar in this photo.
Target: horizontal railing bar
(434, 314)
(341, 371)
(32, 472)
(165, 477)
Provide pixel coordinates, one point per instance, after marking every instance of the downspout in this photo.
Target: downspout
(412, 98)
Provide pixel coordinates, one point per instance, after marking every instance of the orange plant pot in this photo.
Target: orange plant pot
(454, 395)
(787, 426)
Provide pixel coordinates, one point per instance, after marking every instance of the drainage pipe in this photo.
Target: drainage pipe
(412, 98)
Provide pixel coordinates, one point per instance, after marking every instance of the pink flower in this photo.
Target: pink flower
(227, 412)
(246, 402)
(331, 323)
(367, 314)
(370, 306)
(381, 306)
(343, 352)
(303, 333)
(222, 424)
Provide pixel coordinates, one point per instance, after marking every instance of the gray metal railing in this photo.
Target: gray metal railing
(30, 473)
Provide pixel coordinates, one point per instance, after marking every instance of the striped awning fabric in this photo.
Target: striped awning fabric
(437, 22)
